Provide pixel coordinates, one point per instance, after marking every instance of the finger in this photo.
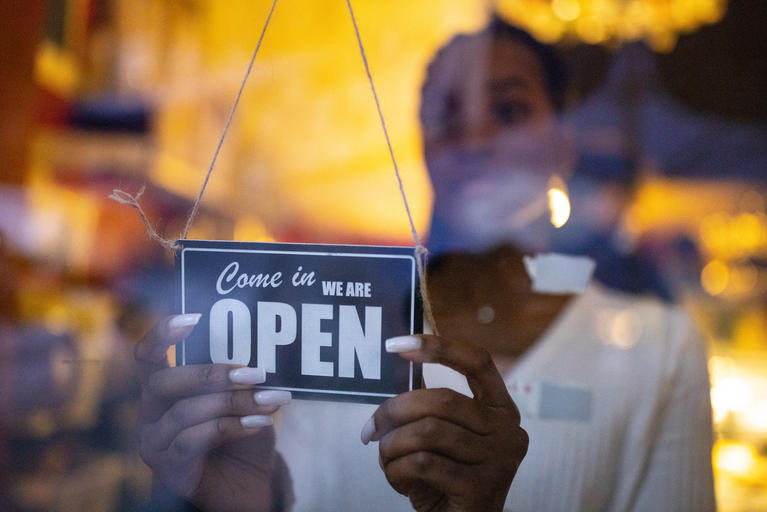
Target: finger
(472, 361)
(199, 409)
(434, 469)
(172, 384)
(168, 385)
(204, 437)
(152, 348)
(441, 403)
(436, 436)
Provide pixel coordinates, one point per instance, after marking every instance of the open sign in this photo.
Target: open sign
(313, 316)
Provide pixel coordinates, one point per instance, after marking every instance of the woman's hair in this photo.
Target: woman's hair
(554, 70)
(437, 93)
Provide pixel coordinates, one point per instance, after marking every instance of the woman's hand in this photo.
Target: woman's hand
(205, 432)
(446, 451)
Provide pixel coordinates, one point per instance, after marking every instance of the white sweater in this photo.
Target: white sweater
(615, 398)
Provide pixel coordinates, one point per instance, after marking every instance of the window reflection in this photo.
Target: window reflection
(652, 165)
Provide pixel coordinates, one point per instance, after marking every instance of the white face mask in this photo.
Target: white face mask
(503, 207)
(495, 191)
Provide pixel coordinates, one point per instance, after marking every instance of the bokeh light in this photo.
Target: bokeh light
(715, 277)
(559, 204)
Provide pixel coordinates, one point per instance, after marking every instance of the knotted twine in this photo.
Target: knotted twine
(421, 253)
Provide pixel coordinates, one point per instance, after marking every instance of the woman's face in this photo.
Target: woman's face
(494, 142)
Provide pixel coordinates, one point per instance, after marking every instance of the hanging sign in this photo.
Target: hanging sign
(315, 317)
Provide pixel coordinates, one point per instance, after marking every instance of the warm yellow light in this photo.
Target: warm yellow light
(251, 229)
(720, 367)
(737, 458)
(755, 417)
(750, 329)
(748, 230)
(173, 173)
(732, 394)
(715, 277)
(62, 222)
(547, 27)
(58, 319)
(735, 236)
(714, 232)
(659, 22)
(56, 70)
(591, 30)
(663, 41)
(622, 328)
(566, 10)
(559, 204)
(743, 279)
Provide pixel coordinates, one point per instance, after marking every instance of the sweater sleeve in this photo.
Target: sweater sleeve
(678, 474)
(283, 499)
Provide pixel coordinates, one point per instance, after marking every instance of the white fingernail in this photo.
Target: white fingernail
(188, 320)
(272, 397)
(247, 376)
(368, 430)
(402, 344)
(256, 421)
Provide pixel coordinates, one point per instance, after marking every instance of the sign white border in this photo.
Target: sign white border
(309, 253)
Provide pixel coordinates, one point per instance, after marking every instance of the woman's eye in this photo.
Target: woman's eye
(451, 121)
(511, 112)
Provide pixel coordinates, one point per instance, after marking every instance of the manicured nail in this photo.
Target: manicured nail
(180, 323)
(272, 397)
(402, 344)
(256, 421)
(368, 430)
(247, 376)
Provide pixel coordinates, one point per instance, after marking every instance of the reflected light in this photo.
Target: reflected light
(744, 278)
(748, 230)
(621, 328)
(720, 367)
(57, 319)
(659, 22)
(57, 70)
(749, 330)
(251, 229)
(559, 204)
(715, 277)
(755, 418)
(732, 394)
(566, 10)
(485, 314)
(591, 30)
(737, 458)
(735, 236)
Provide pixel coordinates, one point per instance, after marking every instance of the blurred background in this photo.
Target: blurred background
(104, 94)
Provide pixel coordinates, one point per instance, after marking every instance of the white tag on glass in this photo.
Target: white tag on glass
(559, 273)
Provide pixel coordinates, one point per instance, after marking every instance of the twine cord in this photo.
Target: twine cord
(196, 206)
(123, 197)
(421, 253)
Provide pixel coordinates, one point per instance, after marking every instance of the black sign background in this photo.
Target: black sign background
(393, 282)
